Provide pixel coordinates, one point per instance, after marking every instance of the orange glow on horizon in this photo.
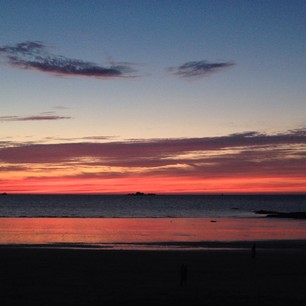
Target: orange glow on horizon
(160, 185)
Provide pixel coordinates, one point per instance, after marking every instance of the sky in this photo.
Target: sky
(153, 96)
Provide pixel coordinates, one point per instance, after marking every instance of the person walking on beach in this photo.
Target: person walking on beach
(184, 272)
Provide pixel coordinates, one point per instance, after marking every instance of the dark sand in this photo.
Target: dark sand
(41, 276)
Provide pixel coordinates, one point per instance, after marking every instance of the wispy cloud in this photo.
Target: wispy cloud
(32, 118)
(34, 55)
(196, 69)
(79, 139)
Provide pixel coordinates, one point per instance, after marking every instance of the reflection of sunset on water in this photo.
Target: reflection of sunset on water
(145, 230)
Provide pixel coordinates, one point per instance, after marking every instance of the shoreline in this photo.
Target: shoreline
(190, 246)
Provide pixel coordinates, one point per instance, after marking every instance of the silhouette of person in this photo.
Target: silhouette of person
(254, 250)
(184, 272)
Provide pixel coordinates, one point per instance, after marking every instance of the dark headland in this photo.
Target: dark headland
(277, 214)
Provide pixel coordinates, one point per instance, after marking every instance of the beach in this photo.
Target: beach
(35, 275)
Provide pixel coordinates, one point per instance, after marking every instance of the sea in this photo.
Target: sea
(147, 222)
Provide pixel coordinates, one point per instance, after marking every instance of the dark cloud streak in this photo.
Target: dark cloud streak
(32, 118)
(34, 55)
(196, 69)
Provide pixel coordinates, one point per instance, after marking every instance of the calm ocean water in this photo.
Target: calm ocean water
(142, 222)
(159, 206)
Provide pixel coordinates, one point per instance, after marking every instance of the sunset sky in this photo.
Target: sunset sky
(153, 96)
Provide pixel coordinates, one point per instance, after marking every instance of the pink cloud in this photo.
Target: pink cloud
(235, 155)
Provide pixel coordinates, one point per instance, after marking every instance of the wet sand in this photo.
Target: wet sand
(53, 276)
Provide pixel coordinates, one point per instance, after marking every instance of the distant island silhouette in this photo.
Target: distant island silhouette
(138, 193)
